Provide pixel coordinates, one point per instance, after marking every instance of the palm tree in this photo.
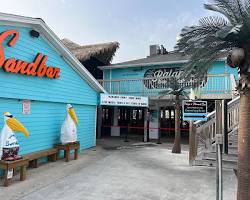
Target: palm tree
(205, 43)
(175, 88)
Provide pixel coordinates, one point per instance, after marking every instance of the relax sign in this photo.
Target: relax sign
(36, 68)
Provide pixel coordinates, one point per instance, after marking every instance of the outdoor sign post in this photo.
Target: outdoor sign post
(194, 110)
(219, 144)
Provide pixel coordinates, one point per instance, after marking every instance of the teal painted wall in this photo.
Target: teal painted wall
(214, 83)
(70, 87)
(44, 123)
(138, 72)
(49, 96)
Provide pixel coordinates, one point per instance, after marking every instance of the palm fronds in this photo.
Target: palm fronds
(203, 45)
(234, 10)
(175, 88)
(205, 41)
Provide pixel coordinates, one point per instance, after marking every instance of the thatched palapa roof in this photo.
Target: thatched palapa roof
(102, 52)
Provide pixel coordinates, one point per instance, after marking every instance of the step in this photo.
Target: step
(226, 157)
(233, 150)
(212, 163)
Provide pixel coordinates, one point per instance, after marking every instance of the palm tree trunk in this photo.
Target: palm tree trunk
(243, 192)
(177, 139)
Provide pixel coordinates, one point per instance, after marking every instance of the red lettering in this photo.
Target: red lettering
(9, 65)
(50, 72)
(56, 73)
(31, 70)
(11, 43)
(42, 67)
(19, 66)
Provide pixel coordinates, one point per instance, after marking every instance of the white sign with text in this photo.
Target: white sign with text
(123, 100)
(26, 107)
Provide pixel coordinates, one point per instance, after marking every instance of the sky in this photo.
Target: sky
(135, 24)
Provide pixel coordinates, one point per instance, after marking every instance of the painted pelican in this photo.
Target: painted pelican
(68, 129)
(9, 145)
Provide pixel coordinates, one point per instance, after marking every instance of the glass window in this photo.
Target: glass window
(161, 114)
(140, 114)
(134, 114)
(166, 114)
(172, 114)
(107, 113)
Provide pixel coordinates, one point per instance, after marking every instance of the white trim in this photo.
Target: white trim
(140, 64)
(41, 26)
(117, 66)
(96, 108)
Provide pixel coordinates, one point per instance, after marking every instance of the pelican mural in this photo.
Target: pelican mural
(9, 145)
(68, 129)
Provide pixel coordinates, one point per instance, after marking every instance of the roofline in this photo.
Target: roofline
(140, 64)
(56, 42)
(117, 66)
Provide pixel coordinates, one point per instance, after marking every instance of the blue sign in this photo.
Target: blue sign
(194, 110)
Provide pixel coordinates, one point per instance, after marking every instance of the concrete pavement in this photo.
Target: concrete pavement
(129, 173)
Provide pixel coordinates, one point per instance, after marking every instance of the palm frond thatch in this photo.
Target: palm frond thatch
(103, 52)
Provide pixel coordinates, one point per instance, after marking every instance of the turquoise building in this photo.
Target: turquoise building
(150, 77)
(38, 77)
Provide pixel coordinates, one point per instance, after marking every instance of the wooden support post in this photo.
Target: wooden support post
(23, 173)
(115, 130)
(76, 154)
(9, 166)
(99, 122)
(53, 158)
(7, 181)
(159, 125)
(192, 143)
(129, 124)
(35, 163)
(145, 139)
(67, 154)
(75, 146)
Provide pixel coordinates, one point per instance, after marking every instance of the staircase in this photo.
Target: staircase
(205, 138)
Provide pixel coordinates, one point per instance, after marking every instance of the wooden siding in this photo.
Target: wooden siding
(69, 88)
(44, 123)
(218, 85)
(138, 72)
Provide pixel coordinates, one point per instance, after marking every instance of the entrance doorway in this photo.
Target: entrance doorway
(131, 117)
(137, 122)
(123, 120)
(167, 124)
(106, 121)
(167, 117)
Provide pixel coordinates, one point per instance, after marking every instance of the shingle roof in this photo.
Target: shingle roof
(173, 57)
(170, 57)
